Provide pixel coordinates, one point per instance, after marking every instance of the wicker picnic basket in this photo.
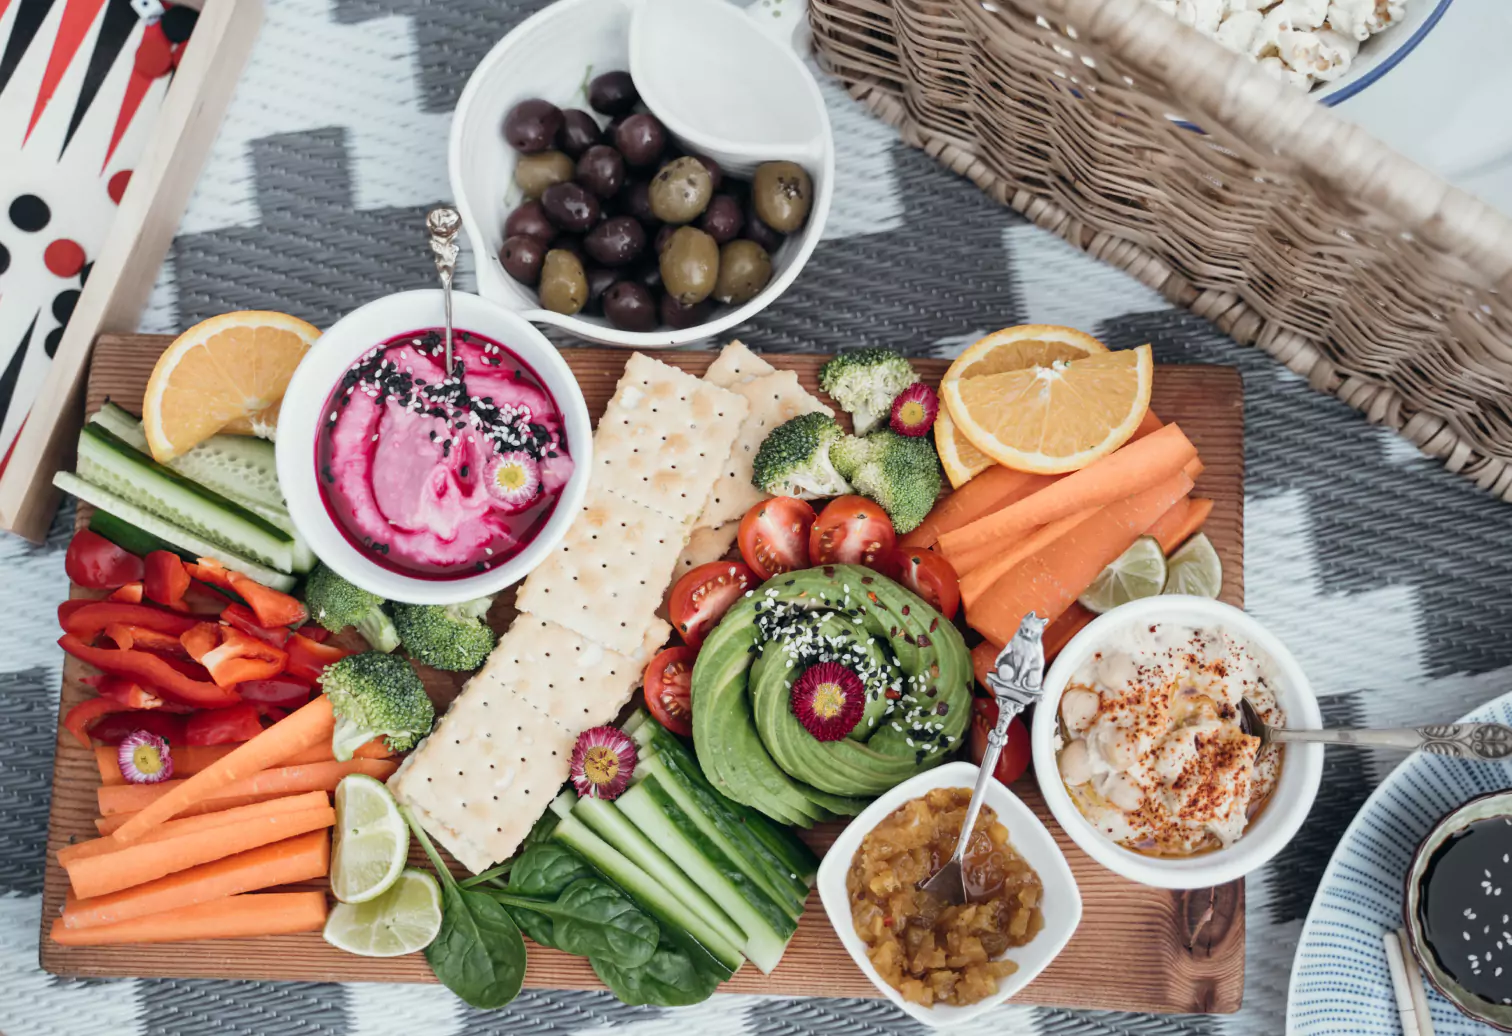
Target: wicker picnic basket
(1284, 225)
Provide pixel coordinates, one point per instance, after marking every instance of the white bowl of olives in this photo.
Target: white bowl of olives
(590, 212)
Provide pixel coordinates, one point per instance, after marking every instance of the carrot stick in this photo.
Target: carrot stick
(309, 725)
(1124, 472)
(189, 760)
(1147, 424)
(285, 780)
(1194, 468)
(989, 491)
(1173, 519)
(980, 579)
(301, 858)
(1048, 582)
(233, 917)
(143, 862)
(195, 825)
(1173, 535)
(209, 807)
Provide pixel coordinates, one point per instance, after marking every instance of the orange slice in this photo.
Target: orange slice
(1058, 417)
(227, 373)
(1013, 348)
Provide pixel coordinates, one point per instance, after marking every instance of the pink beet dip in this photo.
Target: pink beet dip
(441, 476)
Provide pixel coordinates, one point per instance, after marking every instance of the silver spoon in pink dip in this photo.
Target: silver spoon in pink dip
(443, 224)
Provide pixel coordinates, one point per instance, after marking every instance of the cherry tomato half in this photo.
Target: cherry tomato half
(95, 562)
(1014, 759)
(851, 530)
(700, 598)
(774, 536)
(669, 689)
(925, 573)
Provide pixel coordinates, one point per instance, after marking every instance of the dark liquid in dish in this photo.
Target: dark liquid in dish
(1466, 908)
(404, 452)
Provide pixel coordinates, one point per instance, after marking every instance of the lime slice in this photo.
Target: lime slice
(1138, 572)
(402, 920)
(371, 841)
(1195, 569)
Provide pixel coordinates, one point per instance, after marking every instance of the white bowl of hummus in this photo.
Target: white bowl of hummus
(1141, 755)
(426, 485)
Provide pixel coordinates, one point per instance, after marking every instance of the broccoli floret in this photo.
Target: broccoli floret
(376, 695)
(794, 459)
(900, 473)
(865, 382)
(848, 453)
(446, 636)
(337, 604)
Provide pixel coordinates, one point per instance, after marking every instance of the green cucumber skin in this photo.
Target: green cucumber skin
(606, 821)
(129, 538)
(110, 463)
(641, 887)
(183, 541)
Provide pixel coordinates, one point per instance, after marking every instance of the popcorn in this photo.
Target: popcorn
(1302, 42)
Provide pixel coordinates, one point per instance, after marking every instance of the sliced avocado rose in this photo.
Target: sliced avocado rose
(885, 680)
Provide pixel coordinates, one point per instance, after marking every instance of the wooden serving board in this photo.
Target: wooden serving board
(1138, 948)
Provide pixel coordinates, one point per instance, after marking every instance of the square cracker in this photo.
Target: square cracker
(706, 544)
(772, 399)
(489, 769)
(607, 576)
(576, 682)
(664, 437)
(735, 364)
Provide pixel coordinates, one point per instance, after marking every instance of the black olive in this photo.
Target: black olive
(662, 237)
(532, 125)
(722, 220)
(677, 316)
(641, 138)
(522, 256)
(579, 132)
(615, 241)
(716, 174)
(759, 232)
(570, 206)
(636, 201)
(601, 169)
(530, 219)
(599, 279)
(612, 93)
(630, 306)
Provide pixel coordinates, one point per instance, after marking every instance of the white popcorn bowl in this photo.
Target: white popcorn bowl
(1383, 51)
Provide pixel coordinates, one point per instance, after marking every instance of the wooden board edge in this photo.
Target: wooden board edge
(121, 280)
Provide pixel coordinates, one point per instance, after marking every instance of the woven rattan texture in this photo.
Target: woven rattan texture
(1286, 227)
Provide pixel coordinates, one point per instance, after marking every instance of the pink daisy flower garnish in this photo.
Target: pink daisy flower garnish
(915, 410)
(513, 481)
(144, 758)
(828, 700)
(602, 762)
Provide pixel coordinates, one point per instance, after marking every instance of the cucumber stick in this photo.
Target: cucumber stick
(182, 539)
(127, 536)
(767, 926)
(109, 462)
(643, 888)
(615, 828)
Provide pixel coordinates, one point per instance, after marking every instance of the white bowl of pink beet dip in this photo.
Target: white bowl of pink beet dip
(424, 485)
(1141, 755)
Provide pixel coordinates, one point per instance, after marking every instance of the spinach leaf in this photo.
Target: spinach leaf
(592, 918)
(669, 979)
(545, 869)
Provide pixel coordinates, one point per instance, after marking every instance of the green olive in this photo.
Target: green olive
(564, 285)
(782, 193)
(744, 269)
(689, 265)
(680, 190)
(535, 173)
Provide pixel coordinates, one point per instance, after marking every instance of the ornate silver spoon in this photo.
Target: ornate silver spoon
(443, 224)
(1482, 741)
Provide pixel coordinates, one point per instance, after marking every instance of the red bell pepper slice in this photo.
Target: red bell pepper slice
(67, 608)
(95, 562)
(125, 692)
(167, 580)
(307, 659)
(124, 636)
(220, 726)
(150, 669)
(87, 621)
(319, 634)
(115, 728)
(201, 639)
(240, 616)
(280, 691)
(242, 656)
(131, 593)
(86, 712)
(272, 607)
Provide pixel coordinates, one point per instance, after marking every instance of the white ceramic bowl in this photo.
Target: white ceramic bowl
(1383, 51)
(1301, 769)
(1062, 907)
(304, 406)
(547, 55)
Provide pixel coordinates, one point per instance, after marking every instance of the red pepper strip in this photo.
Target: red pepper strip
(280, 691)
(131, 593)
(114, 729)
(187, 667)
(150, 669)
(99, 564)
(219, 726)
(93, 617)
(243, 657)
(200, 640)
(125, 636)
(319, 634)
(86, 712)
(205, 600)
(67, 608)
(127, 692)
(272, 607)
(166, 580)
(307, 659)
(240, 616)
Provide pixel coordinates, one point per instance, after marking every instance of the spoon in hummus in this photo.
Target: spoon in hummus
(443, 224)
(1488, 742)
(1016, 683)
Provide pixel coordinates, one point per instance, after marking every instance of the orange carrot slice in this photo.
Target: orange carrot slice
(1173, 533)
(234, 917)
(993, 489)
(194, 825)
(189, 760)
(980, 579)
(285, 780)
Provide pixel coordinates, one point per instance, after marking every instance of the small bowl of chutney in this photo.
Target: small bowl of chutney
(1458, 908)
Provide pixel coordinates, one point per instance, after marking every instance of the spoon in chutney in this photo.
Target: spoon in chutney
(1486, 742)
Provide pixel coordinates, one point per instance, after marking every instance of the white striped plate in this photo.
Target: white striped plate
(1339, 982)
